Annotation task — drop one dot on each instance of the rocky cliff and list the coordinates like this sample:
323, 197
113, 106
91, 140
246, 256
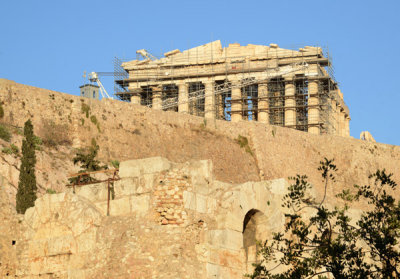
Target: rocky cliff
239, 152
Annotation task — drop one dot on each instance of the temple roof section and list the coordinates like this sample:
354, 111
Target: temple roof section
214, 53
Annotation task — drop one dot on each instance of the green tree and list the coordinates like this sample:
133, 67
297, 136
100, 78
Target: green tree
328, 244
26, 194
86, 158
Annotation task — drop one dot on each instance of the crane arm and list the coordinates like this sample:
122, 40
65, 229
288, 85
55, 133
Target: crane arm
94, 77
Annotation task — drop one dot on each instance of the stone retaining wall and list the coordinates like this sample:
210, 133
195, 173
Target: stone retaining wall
167, 220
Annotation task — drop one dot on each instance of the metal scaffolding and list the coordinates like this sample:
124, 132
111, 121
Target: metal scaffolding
163, 79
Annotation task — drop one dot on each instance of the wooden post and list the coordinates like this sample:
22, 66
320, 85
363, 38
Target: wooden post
108, 197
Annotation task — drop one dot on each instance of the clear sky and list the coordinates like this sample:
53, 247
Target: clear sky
49, 44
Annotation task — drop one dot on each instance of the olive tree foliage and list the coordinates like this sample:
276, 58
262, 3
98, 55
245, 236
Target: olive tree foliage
328, 244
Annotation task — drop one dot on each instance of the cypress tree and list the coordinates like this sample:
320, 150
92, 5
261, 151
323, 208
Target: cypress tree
26, 194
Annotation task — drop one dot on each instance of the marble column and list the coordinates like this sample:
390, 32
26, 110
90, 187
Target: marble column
290, 104
157, 93
183, 98
313, 108
237, 103
263, 114
209, 102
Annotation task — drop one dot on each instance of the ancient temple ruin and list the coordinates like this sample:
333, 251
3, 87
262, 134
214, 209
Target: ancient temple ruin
289, 88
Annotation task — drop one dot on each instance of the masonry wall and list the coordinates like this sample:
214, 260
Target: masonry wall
191, 230
166, 220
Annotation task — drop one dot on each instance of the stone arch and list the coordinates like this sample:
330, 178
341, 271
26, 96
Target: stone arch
255, 228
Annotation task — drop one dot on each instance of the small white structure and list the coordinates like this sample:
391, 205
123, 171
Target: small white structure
90, 91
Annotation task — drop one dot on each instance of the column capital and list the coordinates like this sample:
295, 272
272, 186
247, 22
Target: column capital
136, 91
181, 83
207, 81
157, 87
289, 80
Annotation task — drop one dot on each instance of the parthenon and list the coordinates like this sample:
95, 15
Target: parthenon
269, 84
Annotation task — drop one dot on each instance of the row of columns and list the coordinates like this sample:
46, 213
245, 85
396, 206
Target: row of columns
236, 99
341, 120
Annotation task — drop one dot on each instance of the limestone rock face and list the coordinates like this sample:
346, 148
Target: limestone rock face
61, 233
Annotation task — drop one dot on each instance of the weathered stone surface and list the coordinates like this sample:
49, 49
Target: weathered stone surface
165, 227
69, 234
135, 168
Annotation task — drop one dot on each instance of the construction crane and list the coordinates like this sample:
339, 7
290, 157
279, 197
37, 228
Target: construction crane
227, 86
94, 77
145, 54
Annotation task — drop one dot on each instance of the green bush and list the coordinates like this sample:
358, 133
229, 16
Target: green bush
244, 143
7, 150
5, 133
38, 142
1, 111
51, 191
115, 163
94, 120
13, 149
85, 109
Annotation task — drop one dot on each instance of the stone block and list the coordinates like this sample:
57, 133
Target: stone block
278, 186
213, 270
31, 218
146, 183
90, 218
78, 260
211, 205
140, 204
86, 242
120, 206
37, 265
51, 229
189, 200
218, 271
201, 175
227, 257
61, 245
228, 239
126, 187
57, 198
229, 220
42, 206
201, 203
202, 251
93, 192
135, 168
101, 207
37, 248
56, 263
76, 273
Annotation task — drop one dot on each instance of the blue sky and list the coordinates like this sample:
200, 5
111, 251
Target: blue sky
49, 44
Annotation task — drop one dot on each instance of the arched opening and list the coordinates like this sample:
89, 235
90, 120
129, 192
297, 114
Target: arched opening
254, 229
